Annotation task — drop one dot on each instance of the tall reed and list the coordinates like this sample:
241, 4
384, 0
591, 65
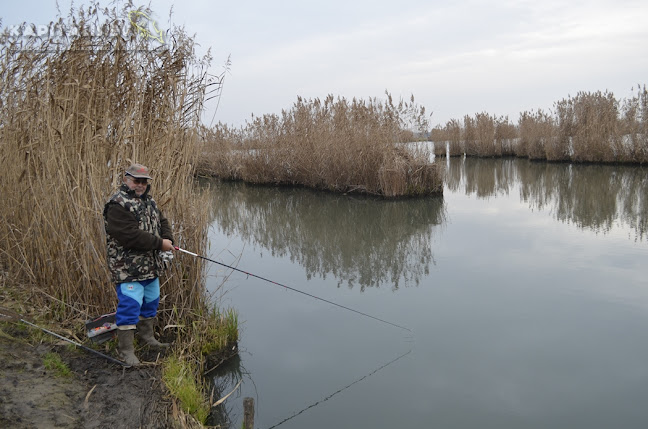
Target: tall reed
536, 130
73, 118
589, 123
469, 136
485, 144
332, 144
506, 136
590, 127
635, 127
453, 135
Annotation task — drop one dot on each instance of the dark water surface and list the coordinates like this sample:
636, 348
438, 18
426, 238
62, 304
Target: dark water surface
525, 288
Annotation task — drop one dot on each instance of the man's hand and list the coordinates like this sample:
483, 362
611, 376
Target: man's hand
167, 245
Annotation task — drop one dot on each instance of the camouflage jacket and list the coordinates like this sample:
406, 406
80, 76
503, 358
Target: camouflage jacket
135, 228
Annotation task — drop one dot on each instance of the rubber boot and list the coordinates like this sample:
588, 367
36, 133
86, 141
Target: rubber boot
126, 346
145, 331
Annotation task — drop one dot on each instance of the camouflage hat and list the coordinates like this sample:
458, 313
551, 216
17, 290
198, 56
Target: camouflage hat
138, 171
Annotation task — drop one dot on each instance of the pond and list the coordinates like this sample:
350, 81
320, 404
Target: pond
523, 291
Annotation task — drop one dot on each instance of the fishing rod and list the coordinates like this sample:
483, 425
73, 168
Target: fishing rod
5, 313
292, 289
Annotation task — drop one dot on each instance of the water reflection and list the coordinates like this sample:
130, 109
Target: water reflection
595, 197
483, 177
358, 241
342, 389
224, 379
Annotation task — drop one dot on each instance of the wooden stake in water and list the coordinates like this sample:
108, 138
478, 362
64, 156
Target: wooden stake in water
248, 413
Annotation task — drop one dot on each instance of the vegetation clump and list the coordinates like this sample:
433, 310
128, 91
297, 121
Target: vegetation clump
592, 127
178, 376
53, 362
75, 111
332, 144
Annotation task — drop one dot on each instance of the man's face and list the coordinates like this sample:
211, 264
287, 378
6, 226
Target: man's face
137, 185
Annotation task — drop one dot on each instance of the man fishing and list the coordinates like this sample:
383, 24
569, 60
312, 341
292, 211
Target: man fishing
136, 234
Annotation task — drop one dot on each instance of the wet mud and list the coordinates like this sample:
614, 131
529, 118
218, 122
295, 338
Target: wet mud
98, 393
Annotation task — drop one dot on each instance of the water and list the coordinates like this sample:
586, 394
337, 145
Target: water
524, 288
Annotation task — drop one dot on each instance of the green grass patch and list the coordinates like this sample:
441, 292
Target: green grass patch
220, 330
53, 362
179, 375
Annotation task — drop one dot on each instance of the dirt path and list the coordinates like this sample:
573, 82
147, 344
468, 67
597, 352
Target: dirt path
98, 394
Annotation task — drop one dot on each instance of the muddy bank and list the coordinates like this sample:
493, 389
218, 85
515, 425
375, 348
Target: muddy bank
98, 394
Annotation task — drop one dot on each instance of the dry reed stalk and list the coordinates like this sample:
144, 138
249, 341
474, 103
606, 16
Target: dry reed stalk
469, 136
559, 148
635, 128
536, 131
439, 137
591, 127
506, 136
479, 136
73, 118
595, 135
485, 144
453, 135
332, 144
441, 148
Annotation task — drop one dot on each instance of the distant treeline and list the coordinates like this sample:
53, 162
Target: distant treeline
590, 127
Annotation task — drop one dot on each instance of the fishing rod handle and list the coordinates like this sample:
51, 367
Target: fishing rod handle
186, 251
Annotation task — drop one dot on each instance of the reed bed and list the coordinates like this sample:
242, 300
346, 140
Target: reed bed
73, 117
452, 133
505, 136
536, 130
634, 126
590, 127
483, 135
332, 144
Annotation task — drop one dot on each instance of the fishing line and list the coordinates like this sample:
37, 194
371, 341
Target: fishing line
293, 289
340, 390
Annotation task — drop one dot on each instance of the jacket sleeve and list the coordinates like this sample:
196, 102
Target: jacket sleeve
123, 227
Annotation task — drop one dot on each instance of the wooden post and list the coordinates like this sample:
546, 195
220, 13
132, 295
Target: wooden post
248, 413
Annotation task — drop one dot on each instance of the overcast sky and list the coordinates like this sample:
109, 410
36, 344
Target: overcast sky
456, 57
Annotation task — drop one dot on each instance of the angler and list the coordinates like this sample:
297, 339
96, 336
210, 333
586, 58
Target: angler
137, 233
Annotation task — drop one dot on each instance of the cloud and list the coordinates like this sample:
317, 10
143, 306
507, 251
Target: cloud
456, 57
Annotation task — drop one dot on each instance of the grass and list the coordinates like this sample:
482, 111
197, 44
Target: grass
211, 337
178, 375
220, 331
52, 361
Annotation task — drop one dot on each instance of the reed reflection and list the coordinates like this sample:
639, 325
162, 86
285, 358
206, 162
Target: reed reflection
224, 380
593, 196
359, 241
